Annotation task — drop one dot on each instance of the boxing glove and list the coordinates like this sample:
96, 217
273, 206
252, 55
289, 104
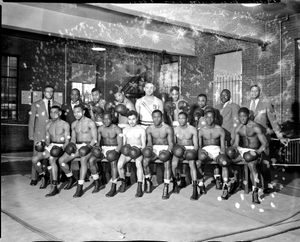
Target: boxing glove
183, 106
98, 110
109, 107
168, 108
121, 109
84, 150
178, 151
250, 156
232, 152
191, 154
223, 160
97, 152
164, 97
165, 155
125, 149
203, 155
40, 146
198, 113
134, 152
71, 148
209, 109
147, 152
56, 151
112, 155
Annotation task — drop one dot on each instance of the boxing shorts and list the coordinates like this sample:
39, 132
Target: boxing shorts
212, 150
49, 147
159, 148
242, 151
107, 148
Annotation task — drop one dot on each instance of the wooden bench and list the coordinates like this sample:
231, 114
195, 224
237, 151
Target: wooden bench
243, 181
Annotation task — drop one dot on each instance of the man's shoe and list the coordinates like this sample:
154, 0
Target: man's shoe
71, 182
113, 190
218, 184
98, 186
225, 194
195, 191
79, 191
148, 185
44, 181
255, 198
165, 192
128, 181
182, 183
175, 187
33, 182
122, 188
139, 192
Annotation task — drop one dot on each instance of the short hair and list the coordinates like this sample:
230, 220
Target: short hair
176, 88
49, 86
255, 86
132, 112
57, 107
117, 89
157, 111
244, 110
96, 89
148, 82
209, 109
80, 105
183, 113
202, 95
226, 90
108, 113
75, 89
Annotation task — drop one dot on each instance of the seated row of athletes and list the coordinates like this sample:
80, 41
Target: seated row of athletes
137, 138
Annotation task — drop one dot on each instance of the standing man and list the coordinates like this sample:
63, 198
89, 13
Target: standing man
134, 136
83, 139
110, 136
161, 137
39, 117
229, 115
144, 107
186, 136
202, 103
96, 107
262, 112
255, 143
68, 108
57, 138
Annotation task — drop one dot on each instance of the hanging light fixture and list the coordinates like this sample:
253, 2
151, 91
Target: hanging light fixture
251, 5
96, 48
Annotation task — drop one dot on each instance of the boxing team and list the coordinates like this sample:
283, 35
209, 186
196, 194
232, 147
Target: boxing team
165, 129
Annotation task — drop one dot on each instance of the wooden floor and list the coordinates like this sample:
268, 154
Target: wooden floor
124, 217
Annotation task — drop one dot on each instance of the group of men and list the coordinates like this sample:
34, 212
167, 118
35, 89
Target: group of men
152, 129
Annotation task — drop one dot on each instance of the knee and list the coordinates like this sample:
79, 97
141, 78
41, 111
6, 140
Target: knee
35, 160
145, 162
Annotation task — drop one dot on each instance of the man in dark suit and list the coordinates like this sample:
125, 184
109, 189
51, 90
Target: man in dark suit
39, 118
68, 107
228, 115
262, 112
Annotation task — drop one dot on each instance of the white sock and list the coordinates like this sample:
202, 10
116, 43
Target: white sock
95, 176
80, 182
167, 181
69, 174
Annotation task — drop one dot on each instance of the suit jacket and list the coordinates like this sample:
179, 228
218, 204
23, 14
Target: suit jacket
264, 114
229, 118
38, 120
68, 115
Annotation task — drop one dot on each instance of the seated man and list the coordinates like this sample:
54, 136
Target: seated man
83, 138
57, 138
254, 142
110, 136
211, 145
185, 135
134, 139
161, 137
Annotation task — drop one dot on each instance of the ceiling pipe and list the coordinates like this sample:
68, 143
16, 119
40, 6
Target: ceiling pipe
285, 18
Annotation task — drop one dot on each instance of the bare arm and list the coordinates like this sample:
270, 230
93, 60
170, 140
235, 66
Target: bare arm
73, 136
99, 136
137, 106
222, 140
262, 138
236, 137
48, 141
66, 134
170, 132
119, 138
143, 138
149, 137
195, 138
93, 128
199, 141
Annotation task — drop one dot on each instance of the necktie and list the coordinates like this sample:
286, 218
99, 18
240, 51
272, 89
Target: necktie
252, 106
49, 106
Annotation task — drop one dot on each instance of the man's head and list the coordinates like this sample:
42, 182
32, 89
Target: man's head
118, 94
254, 91
79, 111
174, 93
209, 115
107, 119
132, 117
75, 95
182, 118
244, 115
96, 94
202, 99
225, 95
157, 117
55, 112
149, 88
48, 92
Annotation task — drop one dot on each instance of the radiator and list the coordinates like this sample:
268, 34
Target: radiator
281, 154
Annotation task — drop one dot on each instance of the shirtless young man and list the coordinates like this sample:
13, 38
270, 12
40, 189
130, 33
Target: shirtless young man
57, 138
121, 112
134, 136
185, 135
211, 144
83, 138
110, 137
144, 107
161, 137
96, 107
254, 142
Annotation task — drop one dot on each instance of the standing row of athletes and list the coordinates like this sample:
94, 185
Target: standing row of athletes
100, 129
